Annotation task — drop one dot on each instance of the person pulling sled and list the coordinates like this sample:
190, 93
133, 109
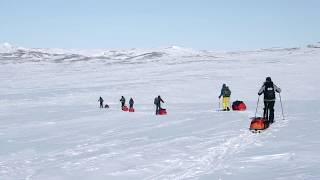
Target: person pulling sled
101, 102
123, 103
225, 93
131, 102
157, 102
269, 90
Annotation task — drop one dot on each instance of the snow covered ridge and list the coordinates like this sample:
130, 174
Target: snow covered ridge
10, 53
15, 54
317, 45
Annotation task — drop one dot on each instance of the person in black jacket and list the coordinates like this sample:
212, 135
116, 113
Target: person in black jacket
157, 102
268, 90
101, 102
131, 102
123, 101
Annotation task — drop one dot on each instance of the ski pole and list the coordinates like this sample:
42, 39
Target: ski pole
255, 115
219, 104
281, 107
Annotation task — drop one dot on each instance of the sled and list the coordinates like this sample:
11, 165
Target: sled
239, 106
125, 108
131, 109
162, 112
258, 125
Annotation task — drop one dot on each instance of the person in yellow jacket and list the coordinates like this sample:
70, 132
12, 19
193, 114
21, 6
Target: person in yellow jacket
225, 93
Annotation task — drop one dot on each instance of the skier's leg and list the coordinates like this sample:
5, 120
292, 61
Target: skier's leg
224, 104
271, 109
265, 110
228, 103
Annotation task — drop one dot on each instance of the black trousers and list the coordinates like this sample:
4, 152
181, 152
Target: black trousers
268, 110
131, 105
101, 104
158, 107
122, 104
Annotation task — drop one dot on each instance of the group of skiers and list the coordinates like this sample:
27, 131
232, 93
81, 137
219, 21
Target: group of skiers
123, 102
268, 89
157, 102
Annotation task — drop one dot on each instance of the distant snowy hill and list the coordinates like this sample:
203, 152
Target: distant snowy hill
317, 45
51, 127
12, 53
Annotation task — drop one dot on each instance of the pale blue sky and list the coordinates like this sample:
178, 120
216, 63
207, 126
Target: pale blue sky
199, 24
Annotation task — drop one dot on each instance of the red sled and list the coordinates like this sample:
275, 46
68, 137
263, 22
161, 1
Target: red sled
258, 124
125, 108
131, 109
239, 106
162, 112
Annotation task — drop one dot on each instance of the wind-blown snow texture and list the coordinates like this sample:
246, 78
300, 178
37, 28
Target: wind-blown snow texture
51, 127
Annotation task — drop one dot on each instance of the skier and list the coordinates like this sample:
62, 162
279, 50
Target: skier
268, 89
157, 102
123, 102
225, 93
131, 102
101, 102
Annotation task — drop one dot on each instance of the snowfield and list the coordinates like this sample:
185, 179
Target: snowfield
51, 127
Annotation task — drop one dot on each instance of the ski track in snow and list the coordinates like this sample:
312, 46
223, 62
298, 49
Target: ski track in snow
214, 158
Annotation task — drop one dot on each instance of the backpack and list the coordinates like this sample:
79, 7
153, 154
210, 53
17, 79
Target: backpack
227, 92
131, 101
269, 92
155, 101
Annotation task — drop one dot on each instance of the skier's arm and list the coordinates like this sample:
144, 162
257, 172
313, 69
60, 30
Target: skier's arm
161, 100
221, 93
278, 90
261, 90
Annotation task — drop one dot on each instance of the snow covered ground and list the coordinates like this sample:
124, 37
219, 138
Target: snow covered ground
51, 127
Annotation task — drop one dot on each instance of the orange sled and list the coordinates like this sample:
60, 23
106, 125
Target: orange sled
162, 112
258, 124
